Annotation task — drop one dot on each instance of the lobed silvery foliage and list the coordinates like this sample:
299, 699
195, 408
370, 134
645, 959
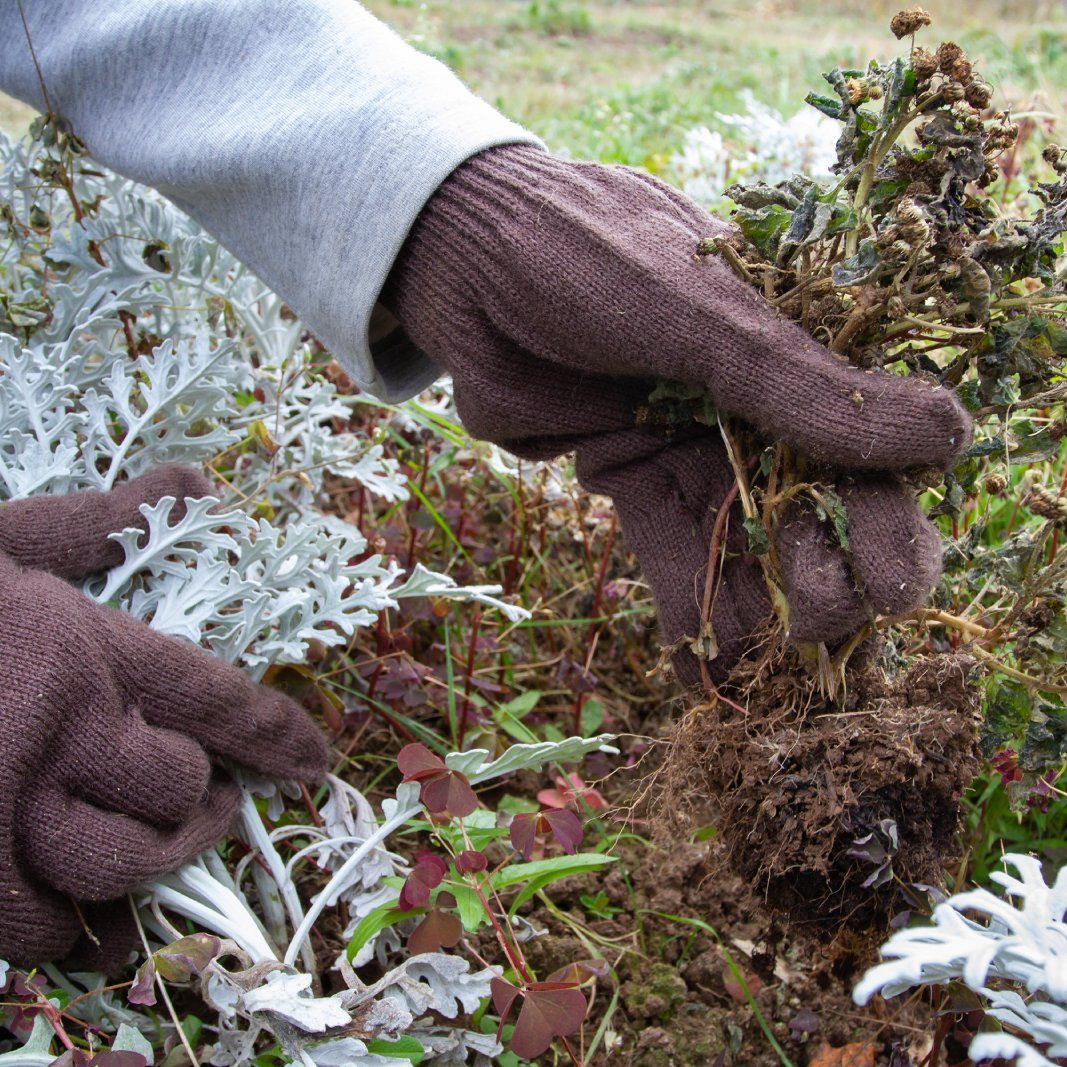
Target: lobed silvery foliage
271, 988
220, 373
1015, 958
758, 144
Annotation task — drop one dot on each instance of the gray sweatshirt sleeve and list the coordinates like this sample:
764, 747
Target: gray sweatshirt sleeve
305, 135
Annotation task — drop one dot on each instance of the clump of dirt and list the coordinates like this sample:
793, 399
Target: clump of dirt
819, 803
679, 1000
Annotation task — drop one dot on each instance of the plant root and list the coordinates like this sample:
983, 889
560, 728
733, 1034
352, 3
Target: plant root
797, 782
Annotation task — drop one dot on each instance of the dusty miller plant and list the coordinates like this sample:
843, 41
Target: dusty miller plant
1014, 957
129, 338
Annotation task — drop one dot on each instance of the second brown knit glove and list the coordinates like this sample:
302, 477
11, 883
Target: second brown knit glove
109, 730
556, 293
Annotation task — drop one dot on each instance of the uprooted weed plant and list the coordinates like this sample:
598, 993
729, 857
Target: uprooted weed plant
841, 768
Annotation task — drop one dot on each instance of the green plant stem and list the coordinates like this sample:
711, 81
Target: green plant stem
162, 986
880, 146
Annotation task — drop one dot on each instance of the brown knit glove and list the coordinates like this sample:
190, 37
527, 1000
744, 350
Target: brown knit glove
109, 730
556, 292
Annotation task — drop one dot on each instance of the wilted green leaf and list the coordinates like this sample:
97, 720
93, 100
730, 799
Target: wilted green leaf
758, 542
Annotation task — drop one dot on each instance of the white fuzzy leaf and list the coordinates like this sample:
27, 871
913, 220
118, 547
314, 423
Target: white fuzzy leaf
347, 1052
433, 981
288, 996
37, 1051
424, 582
477, 766
129, 1039
1025, 946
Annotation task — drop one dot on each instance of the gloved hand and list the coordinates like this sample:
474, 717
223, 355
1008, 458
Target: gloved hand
109, 729
556, 293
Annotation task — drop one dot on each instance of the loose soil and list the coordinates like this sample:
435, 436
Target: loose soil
805, 789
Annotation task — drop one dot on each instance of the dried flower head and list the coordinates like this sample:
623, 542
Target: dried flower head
995, 484
1002, 136
1055, 157
924, 63
979, 93
904, 23
1048, 504
948, 52
961, 69
953, 91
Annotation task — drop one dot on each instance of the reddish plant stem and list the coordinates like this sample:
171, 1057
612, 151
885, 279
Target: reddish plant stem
127, 331
56, 1022
594, 630
379, 647
570, 1052
422, 489
472, 649
513, 952
316, 818
714, 547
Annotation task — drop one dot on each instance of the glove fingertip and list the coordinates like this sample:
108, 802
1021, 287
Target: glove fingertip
951, 428
287, 742
171, 479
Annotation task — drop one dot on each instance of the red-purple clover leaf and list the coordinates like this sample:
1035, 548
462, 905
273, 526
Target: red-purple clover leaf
563, 825
470, 861
417, 761
523, 833
549, 1010
441, 790
440, 929
449, 792
75, 1057
425, 876
566, 828
143, 990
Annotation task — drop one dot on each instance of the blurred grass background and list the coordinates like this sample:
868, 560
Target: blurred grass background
622, 80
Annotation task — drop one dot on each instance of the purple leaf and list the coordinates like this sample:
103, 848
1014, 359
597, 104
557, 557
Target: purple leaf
563, 825
438, 930
523, 833
566, 828
549, 1010
426, 875
449, 792
75, 1057
417, 761
470, 861
504, 994
804, 1022
442, 790
143, 990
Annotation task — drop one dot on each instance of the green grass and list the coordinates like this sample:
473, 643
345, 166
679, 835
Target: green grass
623, 81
